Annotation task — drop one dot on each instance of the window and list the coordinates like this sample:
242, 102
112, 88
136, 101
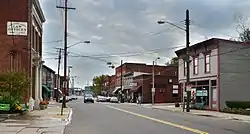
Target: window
185, 68
195, 65
207, 63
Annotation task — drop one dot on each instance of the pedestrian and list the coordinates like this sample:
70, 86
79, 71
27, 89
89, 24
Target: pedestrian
139, 99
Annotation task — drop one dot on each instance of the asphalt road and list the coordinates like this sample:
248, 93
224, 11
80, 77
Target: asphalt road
106, 118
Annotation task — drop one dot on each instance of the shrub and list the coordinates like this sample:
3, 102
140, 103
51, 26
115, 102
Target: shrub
238, 104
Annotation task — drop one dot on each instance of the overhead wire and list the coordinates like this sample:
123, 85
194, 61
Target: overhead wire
222, 53
200, 26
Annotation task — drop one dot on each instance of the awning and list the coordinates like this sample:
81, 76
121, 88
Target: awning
46, 88
116, 89
135, 88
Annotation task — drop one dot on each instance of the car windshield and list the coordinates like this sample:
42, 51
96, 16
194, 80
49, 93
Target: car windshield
88, 95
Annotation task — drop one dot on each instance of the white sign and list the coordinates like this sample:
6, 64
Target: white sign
175, 87
17, 28
153, 90
175, 91
133, 84
188, 88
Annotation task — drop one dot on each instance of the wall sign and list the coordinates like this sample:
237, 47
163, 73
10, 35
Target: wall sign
17, 28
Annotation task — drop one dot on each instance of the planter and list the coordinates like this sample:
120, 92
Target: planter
42, 107
4, 107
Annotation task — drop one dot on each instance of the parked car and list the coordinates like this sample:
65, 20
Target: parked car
74, 97
108, 99
101, 99
114, 100
88, 98
69, 98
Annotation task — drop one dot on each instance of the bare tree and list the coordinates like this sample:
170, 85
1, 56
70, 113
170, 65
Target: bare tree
243, 28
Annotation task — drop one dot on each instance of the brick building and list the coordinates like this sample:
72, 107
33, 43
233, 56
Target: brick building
21, 28
132, 72
109, 84
166, 86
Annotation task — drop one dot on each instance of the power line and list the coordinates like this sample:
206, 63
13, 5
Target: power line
200, 26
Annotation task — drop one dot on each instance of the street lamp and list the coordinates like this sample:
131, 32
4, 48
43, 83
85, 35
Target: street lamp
187, 85
110, 65
80, 42
153, 83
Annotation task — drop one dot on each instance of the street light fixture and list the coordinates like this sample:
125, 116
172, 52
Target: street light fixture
153, 83
187, 85
170, 23
80, 42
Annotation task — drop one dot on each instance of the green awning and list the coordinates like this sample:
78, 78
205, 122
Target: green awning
46, 88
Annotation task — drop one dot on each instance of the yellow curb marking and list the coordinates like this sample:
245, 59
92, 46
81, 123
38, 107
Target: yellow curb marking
161, 121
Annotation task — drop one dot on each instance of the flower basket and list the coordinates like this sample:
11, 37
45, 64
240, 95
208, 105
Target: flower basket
43, 105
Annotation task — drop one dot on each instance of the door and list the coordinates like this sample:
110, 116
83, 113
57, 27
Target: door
214, 98
159, 95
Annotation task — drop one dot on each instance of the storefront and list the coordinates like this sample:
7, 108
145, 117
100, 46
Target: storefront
203, 92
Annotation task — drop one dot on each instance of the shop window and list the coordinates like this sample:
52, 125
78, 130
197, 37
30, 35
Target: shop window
213, 82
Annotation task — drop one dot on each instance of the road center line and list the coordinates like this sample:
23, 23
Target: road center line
160, 121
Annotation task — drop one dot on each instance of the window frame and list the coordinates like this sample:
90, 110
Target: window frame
207, 63
196, 66
185, 68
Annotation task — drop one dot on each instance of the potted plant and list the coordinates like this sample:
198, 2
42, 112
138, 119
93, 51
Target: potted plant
43, 105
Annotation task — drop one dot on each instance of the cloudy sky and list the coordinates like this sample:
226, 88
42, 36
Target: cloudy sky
127, 30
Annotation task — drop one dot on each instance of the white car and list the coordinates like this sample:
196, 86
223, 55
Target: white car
101, 99
61, 99
114, 100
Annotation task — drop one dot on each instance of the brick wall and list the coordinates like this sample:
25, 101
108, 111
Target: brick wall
13, 10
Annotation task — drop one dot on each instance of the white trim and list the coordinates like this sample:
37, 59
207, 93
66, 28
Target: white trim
34, 12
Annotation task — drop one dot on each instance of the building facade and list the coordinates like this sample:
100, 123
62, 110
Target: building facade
219, 72
166, 87
48, 76
21, 29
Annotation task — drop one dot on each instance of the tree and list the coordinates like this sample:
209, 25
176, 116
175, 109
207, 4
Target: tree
98, 83
243, 29
13, 86
173, 62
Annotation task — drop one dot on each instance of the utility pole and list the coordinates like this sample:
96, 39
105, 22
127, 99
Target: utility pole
121, 82
58, 74
153, 84
187, 86
66, 8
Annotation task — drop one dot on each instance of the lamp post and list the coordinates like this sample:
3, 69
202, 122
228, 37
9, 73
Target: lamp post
187, 86
153, 79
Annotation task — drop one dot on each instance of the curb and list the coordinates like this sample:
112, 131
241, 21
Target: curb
69, 118
9, 115
4, 117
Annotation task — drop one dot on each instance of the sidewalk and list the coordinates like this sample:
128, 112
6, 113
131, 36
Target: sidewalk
215, 114
38, 121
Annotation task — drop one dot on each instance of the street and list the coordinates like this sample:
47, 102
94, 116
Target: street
108, 118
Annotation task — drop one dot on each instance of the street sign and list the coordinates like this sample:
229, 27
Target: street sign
153, 90
188, 88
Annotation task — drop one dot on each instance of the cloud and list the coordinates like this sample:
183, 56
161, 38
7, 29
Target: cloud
129, 26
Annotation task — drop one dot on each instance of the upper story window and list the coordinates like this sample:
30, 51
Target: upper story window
185, 68
195, 65
207, 63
